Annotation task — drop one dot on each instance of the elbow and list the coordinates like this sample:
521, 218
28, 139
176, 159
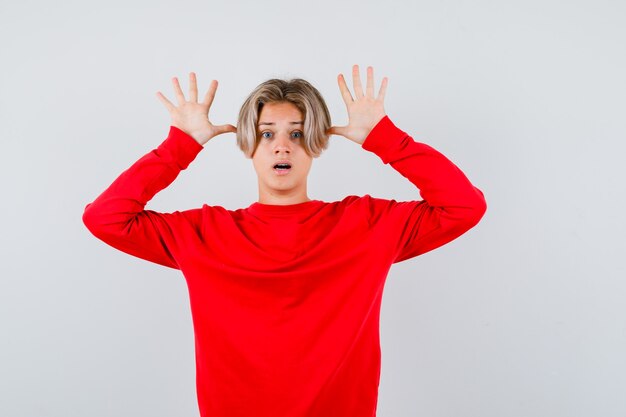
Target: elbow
478, 208
107, 224
91, 219
464, 216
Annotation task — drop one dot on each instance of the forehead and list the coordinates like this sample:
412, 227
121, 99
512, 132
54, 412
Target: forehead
283, 112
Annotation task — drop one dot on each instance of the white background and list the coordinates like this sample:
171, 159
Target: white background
521, 316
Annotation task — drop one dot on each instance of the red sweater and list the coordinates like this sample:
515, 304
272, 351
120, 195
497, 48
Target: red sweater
285, 300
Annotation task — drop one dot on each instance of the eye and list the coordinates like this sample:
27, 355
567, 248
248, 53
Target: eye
295, 135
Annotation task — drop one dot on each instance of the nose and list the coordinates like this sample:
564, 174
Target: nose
282, 143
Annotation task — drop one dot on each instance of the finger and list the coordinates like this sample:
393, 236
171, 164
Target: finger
168, 104
179, 93
369, 89
193, 88
356, 81
210, 94
383, 89
345, 92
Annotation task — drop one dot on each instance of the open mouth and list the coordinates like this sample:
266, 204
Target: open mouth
282, 168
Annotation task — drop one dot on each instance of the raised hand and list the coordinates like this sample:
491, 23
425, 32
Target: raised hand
192, 117
365, 111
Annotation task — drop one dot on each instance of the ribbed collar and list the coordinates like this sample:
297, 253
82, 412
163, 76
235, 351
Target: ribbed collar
297, 210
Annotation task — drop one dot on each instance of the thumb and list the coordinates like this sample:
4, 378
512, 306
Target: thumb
225, 129
336, 130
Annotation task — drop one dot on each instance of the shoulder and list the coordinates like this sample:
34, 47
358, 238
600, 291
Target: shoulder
365, 201
370, 206
212, 211
380, 209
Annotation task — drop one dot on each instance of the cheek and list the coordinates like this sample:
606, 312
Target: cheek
305, 165
256, 164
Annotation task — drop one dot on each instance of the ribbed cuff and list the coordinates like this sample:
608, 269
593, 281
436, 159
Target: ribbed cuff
182, 147
384, 139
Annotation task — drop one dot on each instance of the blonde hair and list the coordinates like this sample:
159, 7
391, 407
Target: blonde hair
296, 91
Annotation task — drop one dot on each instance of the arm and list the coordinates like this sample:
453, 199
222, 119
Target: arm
118, 217
451, 205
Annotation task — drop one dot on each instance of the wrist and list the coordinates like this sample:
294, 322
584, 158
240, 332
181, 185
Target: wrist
198, 136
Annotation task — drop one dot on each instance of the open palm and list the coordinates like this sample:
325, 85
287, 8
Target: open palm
192, 117
365, 111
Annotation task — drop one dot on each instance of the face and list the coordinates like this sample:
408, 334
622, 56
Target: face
281, 138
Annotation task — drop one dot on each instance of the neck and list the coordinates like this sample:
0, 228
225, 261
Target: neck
282, 200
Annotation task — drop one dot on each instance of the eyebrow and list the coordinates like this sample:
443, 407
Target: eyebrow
293, 123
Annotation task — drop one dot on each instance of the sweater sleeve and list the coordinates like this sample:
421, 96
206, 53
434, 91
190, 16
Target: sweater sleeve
118, 218
450, 204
